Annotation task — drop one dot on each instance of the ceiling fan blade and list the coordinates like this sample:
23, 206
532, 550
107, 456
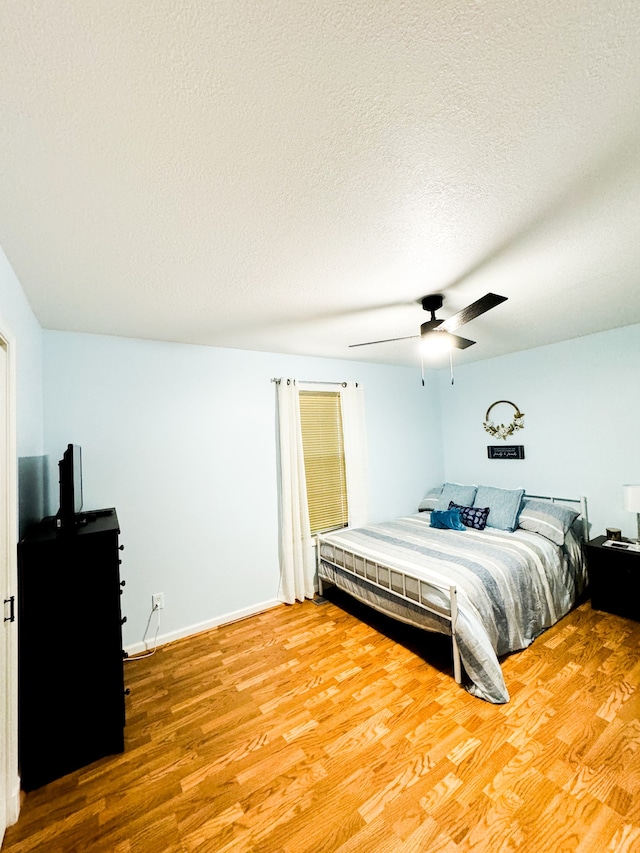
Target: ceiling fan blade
430, 325
454, 340
461, 343
386, 341
486, 303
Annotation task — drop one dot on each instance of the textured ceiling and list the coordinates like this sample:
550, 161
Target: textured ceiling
293, 176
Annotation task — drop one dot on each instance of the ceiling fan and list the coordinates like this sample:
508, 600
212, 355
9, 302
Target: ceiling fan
444, 328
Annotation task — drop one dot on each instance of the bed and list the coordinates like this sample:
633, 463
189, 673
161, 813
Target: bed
492, 589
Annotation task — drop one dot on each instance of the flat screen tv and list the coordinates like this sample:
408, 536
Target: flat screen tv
70, 467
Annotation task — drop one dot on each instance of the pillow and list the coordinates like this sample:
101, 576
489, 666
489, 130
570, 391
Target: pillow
551, 520
447, 519
503, 504
430, 500
472, 516
461, 495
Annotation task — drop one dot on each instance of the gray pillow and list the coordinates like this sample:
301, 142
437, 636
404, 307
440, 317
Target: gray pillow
549, 519
457, 493
430, 500
504, 506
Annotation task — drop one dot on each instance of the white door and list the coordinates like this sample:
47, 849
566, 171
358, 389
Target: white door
4, 589
9, 784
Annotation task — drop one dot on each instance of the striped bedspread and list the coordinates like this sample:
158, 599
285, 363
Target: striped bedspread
511, 586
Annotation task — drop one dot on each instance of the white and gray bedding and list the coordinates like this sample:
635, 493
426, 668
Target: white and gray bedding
510, 586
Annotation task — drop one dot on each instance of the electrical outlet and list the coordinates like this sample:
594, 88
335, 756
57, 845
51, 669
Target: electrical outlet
157, 601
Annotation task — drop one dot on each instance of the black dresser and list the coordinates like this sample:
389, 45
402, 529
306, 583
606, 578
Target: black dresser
70, 658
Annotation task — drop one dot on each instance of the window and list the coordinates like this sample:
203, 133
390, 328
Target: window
324, 465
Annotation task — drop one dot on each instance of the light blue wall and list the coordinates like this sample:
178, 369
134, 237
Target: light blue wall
19, 325
582, 409
17, 317
182, 441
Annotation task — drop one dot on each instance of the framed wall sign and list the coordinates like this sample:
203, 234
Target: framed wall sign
507, 451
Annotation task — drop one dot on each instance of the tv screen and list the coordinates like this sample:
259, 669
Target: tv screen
70, 467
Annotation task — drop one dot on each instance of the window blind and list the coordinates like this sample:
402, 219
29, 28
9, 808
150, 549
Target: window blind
324, 465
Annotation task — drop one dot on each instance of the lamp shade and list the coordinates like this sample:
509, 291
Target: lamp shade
632, 497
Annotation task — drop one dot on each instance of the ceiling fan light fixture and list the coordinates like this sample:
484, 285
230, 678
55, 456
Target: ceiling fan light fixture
436, 342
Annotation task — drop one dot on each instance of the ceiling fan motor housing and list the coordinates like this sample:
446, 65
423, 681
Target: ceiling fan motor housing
433, 303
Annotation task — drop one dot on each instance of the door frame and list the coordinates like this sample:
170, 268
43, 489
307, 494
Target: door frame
10, 809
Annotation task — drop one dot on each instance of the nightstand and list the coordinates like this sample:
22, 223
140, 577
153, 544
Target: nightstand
614, 578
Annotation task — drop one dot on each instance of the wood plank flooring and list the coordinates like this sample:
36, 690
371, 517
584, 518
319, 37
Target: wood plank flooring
307, 730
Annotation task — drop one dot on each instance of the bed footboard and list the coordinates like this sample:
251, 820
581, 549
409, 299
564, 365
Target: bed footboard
435, 598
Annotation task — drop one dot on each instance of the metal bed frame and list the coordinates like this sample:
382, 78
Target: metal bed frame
406, 587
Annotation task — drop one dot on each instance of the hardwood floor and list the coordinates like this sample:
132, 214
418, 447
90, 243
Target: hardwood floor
306, 730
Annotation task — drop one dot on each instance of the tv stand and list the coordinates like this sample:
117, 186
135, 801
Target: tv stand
70, 658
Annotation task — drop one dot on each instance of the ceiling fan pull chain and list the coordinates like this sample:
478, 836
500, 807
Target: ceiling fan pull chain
451, 364
422, 366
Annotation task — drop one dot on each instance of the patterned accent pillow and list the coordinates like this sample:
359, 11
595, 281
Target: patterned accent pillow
446, 519
472, 516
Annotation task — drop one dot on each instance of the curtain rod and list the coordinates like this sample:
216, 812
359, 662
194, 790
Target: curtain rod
315, 382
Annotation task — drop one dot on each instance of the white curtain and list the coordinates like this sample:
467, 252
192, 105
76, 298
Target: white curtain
297, 547
297, 551
355, 453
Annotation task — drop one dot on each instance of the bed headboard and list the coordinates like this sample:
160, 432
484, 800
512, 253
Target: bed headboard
578, 502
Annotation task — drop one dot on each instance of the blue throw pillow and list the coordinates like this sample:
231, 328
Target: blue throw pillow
456, 492
447, 519
504, 506
472, 516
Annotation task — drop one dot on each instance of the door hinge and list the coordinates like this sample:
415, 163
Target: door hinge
12, 609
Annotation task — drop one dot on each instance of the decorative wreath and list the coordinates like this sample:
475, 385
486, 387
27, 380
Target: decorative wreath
502, 431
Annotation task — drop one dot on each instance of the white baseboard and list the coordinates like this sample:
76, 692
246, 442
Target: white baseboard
198, 628
13, 804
